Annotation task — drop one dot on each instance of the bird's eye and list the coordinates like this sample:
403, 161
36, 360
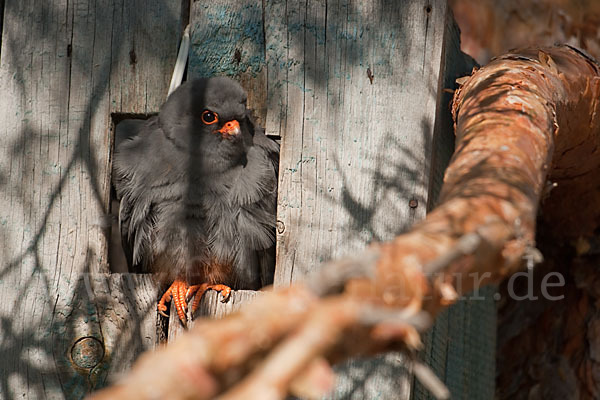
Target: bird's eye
209, 117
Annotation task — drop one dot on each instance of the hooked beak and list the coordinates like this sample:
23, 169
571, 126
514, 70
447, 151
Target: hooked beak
231, 128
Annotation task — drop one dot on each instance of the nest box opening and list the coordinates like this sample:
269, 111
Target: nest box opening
123, 126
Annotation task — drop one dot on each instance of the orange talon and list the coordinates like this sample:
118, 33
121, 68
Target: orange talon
161, 304
200, 289
177, 292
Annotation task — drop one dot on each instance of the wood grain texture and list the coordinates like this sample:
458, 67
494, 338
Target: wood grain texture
354, 152
460, 348
228, 39
210, 306
118, 311
65, 68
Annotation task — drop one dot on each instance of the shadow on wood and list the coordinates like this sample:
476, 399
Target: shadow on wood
65, 68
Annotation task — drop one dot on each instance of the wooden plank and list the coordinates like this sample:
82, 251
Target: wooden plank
228, 39
148, 34
354, 152
60, 65
355, 92
106, 323
210, 306
460, 352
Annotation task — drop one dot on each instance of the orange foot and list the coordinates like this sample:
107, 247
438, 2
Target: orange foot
180, 292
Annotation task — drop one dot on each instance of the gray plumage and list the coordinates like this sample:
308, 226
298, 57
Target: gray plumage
195, 205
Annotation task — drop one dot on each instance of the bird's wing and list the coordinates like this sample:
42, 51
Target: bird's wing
136, 220
128, 129
270, 146
266, 263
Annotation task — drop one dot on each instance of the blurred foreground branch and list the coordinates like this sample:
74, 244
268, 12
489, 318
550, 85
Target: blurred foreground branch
514, 120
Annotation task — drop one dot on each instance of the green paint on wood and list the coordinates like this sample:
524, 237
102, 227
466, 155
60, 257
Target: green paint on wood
227, 40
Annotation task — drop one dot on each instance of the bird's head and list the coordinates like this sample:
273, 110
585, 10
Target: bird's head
208, 117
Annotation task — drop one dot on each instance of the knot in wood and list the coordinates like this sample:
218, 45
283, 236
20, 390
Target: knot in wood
280, 226
87, 352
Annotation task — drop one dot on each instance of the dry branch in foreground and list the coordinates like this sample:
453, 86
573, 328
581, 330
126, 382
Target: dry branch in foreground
510, 117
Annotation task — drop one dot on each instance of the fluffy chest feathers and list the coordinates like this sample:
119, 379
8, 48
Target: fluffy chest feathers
232, 213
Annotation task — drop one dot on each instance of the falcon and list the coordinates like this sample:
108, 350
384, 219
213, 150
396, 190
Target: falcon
197, 186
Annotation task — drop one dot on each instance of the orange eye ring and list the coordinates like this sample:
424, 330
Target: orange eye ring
209, 117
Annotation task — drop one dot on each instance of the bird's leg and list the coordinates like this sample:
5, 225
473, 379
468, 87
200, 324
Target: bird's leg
178, 291
200, 289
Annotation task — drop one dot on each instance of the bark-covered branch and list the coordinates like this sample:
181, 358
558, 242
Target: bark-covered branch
514, 119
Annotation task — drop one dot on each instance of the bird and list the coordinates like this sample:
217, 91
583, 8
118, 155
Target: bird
197, 186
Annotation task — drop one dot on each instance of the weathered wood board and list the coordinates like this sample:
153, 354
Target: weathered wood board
113, 320
210, 306
66, 66
354, 92
460, 347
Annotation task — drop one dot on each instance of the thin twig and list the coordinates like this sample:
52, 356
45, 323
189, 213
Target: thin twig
430, 381
420, 321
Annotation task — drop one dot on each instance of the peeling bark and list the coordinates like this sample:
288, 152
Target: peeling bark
524, 117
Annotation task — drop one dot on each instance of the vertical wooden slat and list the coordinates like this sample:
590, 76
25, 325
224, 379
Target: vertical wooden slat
62, 73
460, 352
354, 153
386, 376
148, 35
454, 64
